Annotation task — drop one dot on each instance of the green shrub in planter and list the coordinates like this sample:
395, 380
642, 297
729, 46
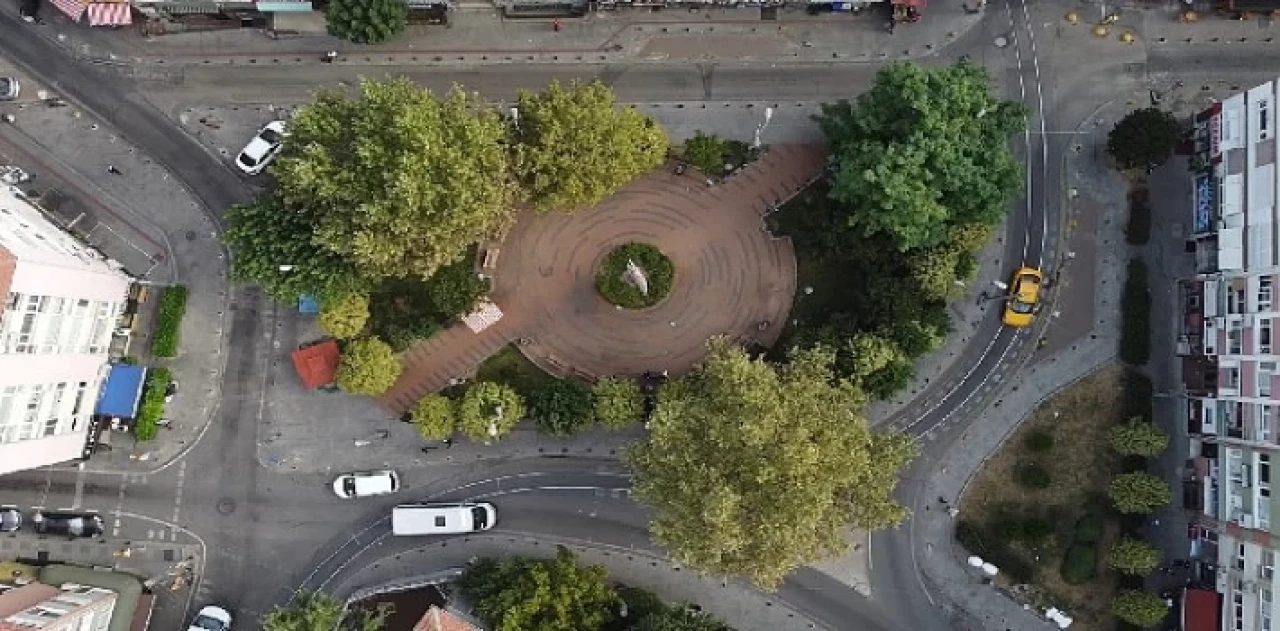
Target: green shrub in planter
1080, 565
164, 337
658, 270
151, 408
1033, 476
561, 407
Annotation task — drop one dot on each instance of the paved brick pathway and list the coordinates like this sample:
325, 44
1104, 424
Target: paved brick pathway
731, 275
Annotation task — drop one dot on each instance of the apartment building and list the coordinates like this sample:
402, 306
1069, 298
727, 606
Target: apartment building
1230, 362
59, 312
40, 607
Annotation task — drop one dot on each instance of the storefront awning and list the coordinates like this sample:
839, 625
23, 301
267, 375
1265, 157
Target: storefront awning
122, 391
286, 6
72, 8
110, 14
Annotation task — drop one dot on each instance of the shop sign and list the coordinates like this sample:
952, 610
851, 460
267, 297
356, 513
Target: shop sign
1215, 136
1203, 203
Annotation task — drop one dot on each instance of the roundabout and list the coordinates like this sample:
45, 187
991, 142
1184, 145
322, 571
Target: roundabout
729, 276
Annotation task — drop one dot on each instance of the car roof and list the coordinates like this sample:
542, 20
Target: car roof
215, 612
372, 481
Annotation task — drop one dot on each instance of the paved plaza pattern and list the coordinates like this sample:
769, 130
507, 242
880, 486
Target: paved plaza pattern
732, 278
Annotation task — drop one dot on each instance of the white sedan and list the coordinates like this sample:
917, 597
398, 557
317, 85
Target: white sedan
262, 149
211, 618
366, 484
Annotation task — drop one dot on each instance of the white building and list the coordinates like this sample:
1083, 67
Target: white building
40, 607
62, 300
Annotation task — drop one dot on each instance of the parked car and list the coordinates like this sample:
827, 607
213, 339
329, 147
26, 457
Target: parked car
10, 518
170, 391
211, 618
68, 523
366, 484
262, 149
1024, 297
9, 88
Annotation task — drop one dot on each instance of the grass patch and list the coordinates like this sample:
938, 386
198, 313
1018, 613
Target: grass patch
509, 366
151, 410
173, 305
659, 272
709, 154
1138, 230
1080, 465
1135, 308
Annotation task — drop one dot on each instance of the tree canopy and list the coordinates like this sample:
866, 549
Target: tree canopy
1138, 437
397, 181
310, 611
1139, 608
560, 407
1133, 556
368, 366
366, 21
435, 416
489, 406
1143, 138
725, 438
345, 316
922, 151
273, 246
1139, 493
574, 145
545, 594
617, 402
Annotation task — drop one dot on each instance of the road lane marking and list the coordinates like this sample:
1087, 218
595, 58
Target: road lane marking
79, 496
177, 500
115, 527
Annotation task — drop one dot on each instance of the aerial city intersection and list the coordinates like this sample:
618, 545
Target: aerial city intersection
388, 314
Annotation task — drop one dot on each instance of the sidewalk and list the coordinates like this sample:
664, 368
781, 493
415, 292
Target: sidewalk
145, 218
737, 605
483, 36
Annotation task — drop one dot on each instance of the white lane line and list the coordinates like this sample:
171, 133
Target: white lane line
115, 526
950, 393
79, 496
177, 499
1044, 144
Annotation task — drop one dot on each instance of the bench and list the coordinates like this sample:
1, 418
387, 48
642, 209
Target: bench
491, 258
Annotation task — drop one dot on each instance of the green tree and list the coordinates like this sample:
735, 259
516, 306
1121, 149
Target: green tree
435, 417
936, 270
617, 402
398, 181
725, 438
1139, 608
922, 151
1138, 493
560, 407
679, 619
368, 366
454, 289
575, 146
366, 21
706, 153
1138, 437
311, 611
1143, 138
344, 316
879, 365
1133, 556
273, 245
545, 594
489, 411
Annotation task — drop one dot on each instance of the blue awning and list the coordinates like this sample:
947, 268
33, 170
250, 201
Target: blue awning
122, 391
284, 7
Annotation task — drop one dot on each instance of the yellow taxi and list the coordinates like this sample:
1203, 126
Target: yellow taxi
1024, 297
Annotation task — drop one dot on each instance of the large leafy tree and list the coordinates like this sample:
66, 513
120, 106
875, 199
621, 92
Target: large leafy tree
435, 416
366, 21
344, 316
1143, 138
560, 407
574, 145
273, 245
755, 470
1133, 556
1139, 493
617, 402
368, 366
489, 411
546, 594
310, 611
1142, 609
922, 151
397, 181
1138, 437
679, 619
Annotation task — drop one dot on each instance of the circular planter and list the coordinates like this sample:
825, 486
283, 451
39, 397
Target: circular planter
615, 288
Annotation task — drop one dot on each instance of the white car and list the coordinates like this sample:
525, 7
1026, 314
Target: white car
366, 484
262, 149
211, 618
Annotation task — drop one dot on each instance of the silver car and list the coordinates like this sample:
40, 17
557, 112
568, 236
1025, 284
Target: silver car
9, 89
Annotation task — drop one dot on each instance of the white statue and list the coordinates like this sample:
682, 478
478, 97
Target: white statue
636, 277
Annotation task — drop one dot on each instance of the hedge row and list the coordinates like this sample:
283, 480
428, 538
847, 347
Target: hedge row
173, 305
1135, 307
152, 408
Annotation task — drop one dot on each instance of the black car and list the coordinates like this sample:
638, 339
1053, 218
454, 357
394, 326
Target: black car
68, 524
10, 519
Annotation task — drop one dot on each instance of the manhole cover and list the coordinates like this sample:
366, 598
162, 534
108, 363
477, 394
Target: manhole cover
191, 235
226, 506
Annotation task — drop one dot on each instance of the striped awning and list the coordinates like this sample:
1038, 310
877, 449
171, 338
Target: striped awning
72, 8
110, 14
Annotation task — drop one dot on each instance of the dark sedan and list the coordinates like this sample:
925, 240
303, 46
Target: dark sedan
68, 524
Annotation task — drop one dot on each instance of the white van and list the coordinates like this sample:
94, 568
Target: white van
442, 519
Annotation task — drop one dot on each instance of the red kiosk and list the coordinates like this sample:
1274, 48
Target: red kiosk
908, 10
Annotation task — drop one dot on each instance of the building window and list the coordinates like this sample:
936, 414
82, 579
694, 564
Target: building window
1264, 469
1265, 415
1264, 336
1240, 556
1235, 338
1262, 118
1267, 566
1233, 377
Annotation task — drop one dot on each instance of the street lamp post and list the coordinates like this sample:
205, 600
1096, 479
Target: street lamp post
768, 116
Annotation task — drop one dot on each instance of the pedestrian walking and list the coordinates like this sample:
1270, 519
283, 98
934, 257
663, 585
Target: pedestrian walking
448, 443
111, 168
330, 56
555, 26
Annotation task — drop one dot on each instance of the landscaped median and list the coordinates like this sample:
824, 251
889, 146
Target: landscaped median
173, 305
152, 408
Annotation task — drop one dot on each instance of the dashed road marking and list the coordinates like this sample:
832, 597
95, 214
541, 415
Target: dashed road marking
177, 500
115, 526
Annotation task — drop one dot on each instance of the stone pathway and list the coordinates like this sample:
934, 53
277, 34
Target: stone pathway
731, 277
